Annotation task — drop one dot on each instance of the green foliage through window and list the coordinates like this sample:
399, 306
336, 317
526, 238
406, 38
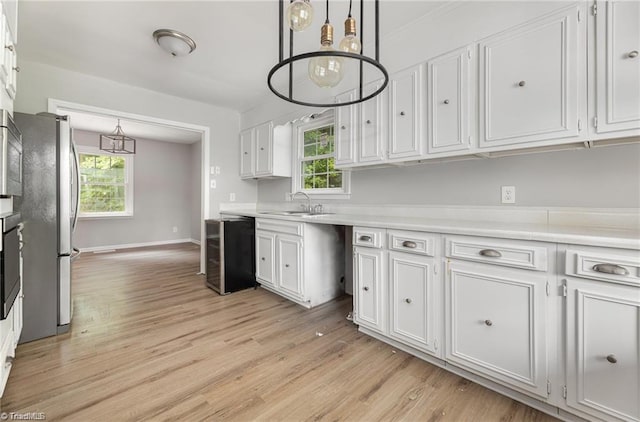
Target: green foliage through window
103, 183
318, 170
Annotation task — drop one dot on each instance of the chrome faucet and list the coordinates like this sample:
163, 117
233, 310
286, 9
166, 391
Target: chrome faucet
307, 207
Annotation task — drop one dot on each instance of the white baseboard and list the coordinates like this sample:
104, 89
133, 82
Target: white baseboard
197, 242
137, 245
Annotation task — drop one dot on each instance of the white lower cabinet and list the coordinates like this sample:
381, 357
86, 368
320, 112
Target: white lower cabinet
302, 262
370, 287
603, 333
496, 324
414, 301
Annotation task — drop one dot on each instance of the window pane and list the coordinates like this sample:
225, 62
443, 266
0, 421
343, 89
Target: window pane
320, 166
102, 198
307, 167
335, 180
320, 181
102, 183
310, 150
308, 182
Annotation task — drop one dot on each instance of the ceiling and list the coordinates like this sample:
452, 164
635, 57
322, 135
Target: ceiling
236, 42
136, 129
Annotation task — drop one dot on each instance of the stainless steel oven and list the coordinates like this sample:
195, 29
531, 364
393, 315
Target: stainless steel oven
10, 261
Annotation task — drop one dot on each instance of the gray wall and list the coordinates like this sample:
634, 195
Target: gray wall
605, 177
195, 166
163, 191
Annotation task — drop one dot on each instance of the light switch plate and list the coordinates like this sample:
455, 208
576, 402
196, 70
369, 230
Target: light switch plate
212, 183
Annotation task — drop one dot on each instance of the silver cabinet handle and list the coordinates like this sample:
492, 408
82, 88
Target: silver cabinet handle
343, 127
409, 244
365, 288
263, 258
402, 113
261, 148
491, 253
368, 122
446, 101
17, 69
488, 322
9, 47
612, 359
610, 269
408, 300
365, 238
521, 83
286, 265
246, 153
633, 54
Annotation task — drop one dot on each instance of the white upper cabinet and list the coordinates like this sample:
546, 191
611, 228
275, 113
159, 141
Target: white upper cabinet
361, 129
532, 81
373, 126
617, 66
406, 99
345, 131
265, 151
449, 101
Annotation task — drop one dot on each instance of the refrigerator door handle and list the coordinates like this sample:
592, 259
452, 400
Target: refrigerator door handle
76, 177
75, 253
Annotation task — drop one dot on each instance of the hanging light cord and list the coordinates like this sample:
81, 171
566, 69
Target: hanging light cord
350, 3
327, 20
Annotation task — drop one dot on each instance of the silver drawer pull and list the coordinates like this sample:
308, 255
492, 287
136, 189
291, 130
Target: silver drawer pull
633, 54
446, 101
612, 359
521, 83
286, 265
365, 288
365, 238
263, 258
491, 253
610, 269
488, 322
409, 244
408, 300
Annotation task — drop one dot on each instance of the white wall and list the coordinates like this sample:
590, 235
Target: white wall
600, 177
38, 82
163, 181
195, 169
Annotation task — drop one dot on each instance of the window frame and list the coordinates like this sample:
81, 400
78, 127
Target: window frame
299, 128
128, 185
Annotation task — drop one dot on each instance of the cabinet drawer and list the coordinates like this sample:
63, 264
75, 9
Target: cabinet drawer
510, 253
412, 242
368, 236
622, 266
279, 226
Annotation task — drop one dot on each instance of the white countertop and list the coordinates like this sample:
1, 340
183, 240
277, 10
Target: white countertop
582, 235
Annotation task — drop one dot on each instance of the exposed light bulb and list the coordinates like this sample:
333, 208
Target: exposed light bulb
326, 71
350, 43
299, 15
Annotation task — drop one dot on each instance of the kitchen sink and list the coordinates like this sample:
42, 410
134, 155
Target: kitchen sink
294, 213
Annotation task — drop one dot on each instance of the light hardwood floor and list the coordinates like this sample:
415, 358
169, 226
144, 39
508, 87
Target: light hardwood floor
150, 342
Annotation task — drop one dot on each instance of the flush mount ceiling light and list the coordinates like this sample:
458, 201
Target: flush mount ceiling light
326, 66
174, 42
117, 142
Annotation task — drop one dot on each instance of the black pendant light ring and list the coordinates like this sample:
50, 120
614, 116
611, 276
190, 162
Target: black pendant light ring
360, 57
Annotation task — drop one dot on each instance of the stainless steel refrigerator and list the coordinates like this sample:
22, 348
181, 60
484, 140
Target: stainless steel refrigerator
49, 212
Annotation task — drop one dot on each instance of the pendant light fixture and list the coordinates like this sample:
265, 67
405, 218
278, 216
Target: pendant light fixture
117, 142
325, 67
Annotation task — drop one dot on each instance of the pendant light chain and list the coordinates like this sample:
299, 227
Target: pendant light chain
327, 20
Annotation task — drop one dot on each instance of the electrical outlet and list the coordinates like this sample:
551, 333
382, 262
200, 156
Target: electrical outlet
217, 169
212, 184
508, 194
232, 197
175, 229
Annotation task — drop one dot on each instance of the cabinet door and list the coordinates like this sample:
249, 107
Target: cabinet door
265, 247
373, 126
247, 156
405, 113
5, 40
289, 257
618, 66
345, 131
496, 324
264, 149
532, 80
17, 319
603, 349
414, 299
449, 101
369, 288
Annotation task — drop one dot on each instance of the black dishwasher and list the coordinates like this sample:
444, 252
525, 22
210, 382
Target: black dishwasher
231, 263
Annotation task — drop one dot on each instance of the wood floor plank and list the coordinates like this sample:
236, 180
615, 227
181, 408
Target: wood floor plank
150, 343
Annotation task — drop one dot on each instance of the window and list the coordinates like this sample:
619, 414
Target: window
315, 171
106, 184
